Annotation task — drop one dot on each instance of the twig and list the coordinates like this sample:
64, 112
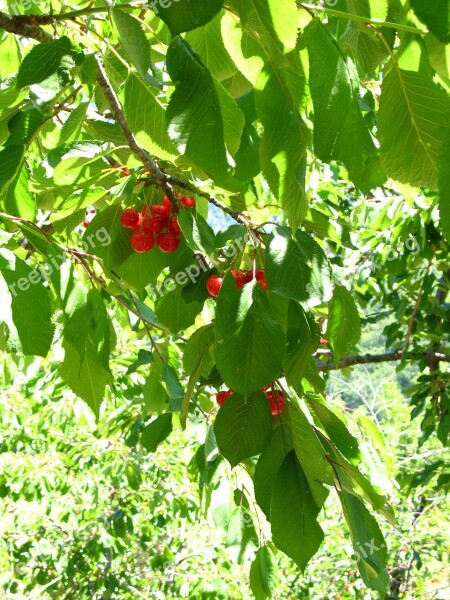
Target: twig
348, 361
159, 176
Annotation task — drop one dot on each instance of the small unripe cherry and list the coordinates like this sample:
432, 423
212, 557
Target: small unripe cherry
129, 218
213, 284
222, 396
168, 242
142, 242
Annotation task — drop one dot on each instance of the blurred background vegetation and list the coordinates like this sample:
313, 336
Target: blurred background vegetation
85, 512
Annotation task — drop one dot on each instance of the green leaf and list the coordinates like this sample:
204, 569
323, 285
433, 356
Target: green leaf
444, 186
368, 543
273, 24
340, 132
44, 60
174, 313
336, 430
19, 199
23, 126
11, 159
156, 432
283, 146
155, 396
140, 270
410, 145
295, 529
436, 16
250, 344
311, 454
243, 427
25, 306
297, 268
303, 336
107, 238
85, 375
194, 102
133, 39
187, 14
268, 466
263, 574
72, 126
198, 234
233, 119
197, 348
147, 117
344, 325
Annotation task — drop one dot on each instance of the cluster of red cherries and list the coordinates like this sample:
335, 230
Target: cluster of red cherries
214, 282
275, 398
155, 224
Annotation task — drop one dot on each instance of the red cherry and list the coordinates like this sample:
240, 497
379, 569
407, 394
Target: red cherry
159, 210
276, 401
168, 242
260, 277
222, 396
188, 201
174, 226
248, 276
86, 223
167, 203
214, 283
154, 224
240, 278
129, 218
125, 172
142, 242
324, 342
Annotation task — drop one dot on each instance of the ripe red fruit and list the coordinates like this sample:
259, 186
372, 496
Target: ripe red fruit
126, 172
167, 203
174, 226
324, 342
142, 242
276, 401
159, 210
129, 218
248, 276
168, 242
154, 224
188, 201
240, 278
260, 277
86, 223
222, 396
214, 283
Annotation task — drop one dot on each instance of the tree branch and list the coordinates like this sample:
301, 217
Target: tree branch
348, 361
23, 28
27, 26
